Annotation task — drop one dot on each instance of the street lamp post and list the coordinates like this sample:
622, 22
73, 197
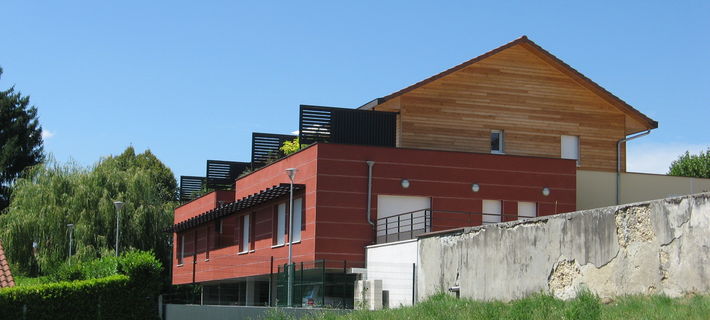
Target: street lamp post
118, 205
291, 172
71, 239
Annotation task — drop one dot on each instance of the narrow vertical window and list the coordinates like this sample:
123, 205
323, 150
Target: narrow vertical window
297, 218
569, 148
246, 234
182, 249
280, 224
497, 141
491, 211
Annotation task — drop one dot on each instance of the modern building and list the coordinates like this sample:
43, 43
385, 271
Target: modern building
500, 137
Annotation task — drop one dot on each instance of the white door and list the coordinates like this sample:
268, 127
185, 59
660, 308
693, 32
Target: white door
391, 207
491, 211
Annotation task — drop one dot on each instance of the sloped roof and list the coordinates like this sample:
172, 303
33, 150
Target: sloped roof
6, 279
545, 55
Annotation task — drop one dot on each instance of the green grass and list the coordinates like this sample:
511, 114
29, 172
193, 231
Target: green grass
539, 306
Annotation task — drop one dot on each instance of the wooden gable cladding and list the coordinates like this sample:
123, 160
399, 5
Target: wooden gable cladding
519, 92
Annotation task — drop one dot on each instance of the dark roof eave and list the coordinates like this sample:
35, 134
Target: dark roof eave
242, 204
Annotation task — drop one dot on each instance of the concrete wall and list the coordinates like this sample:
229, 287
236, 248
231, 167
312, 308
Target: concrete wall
596, 189
393, 264
660, 246
192, 312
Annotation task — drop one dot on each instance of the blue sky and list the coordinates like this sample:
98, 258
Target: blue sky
192, 80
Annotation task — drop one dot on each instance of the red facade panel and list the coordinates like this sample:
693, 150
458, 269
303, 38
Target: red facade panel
335, 199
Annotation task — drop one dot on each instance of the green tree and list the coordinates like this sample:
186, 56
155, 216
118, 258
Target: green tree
291, 147
52, 195
691, 165
20, 140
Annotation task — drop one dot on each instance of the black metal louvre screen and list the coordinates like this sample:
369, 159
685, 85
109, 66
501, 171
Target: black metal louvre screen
347, 126
222, 174
190, 186
265, 147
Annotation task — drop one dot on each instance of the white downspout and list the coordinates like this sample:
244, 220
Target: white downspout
618, 162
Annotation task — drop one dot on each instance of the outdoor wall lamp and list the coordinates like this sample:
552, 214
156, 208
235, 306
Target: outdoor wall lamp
545, 191
475, 187
405, 183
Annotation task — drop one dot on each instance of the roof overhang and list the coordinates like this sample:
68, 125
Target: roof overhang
233, 207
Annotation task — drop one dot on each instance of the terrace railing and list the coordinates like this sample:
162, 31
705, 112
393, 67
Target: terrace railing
222, 174
409, 225
347, 126
266, 147
190, 186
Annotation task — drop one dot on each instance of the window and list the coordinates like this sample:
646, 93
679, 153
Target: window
491, 211
497, 141
181, 255
527, 209
297, 217
280, 224
246, 234
569, 148
217, 237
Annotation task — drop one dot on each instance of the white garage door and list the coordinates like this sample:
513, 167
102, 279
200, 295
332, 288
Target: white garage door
391, 206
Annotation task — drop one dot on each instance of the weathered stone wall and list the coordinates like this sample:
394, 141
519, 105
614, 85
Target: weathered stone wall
661, 246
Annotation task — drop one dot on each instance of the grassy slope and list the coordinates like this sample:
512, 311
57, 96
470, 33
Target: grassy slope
585, 306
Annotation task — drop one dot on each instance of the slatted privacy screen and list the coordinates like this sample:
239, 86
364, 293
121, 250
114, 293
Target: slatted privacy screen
190, 186
222, 174
347, 126
266, 147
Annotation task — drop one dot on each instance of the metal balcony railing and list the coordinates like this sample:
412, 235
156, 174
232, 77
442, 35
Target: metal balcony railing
409, 225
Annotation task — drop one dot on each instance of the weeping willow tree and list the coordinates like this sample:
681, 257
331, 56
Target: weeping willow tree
52, 195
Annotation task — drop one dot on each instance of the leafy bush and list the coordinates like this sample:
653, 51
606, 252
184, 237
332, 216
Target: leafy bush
109, 288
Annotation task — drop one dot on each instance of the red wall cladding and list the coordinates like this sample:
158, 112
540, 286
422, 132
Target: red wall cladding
446, 177
226, 261
335, 200
202, 204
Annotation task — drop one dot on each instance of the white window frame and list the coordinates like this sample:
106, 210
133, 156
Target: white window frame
246, 233
501, 141
576, 139
495, 217
281, 224
526, 203
182, 249
297, 219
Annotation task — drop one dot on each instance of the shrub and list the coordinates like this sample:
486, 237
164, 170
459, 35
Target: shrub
108, 288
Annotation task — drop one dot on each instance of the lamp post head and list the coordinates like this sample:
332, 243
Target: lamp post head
118, 205
291, 172
70, 226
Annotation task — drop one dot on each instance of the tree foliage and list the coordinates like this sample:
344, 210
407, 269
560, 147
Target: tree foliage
53, 195
691, 165
291, 147
20, 139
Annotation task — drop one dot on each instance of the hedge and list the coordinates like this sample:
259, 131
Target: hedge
131, 294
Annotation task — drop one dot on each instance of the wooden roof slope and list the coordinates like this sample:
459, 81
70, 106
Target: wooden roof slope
6, 279
644, 121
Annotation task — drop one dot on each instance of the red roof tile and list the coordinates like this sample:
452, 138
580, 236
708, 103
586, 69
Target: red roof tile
6, 279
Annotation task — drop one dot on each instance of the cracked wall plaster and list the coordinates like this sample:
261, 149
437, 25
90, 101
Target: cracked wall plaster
660, 246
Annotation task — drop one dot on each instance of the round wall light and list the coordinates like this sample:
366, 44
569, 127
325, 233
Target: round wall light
475, 187
546, 191
405, 183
